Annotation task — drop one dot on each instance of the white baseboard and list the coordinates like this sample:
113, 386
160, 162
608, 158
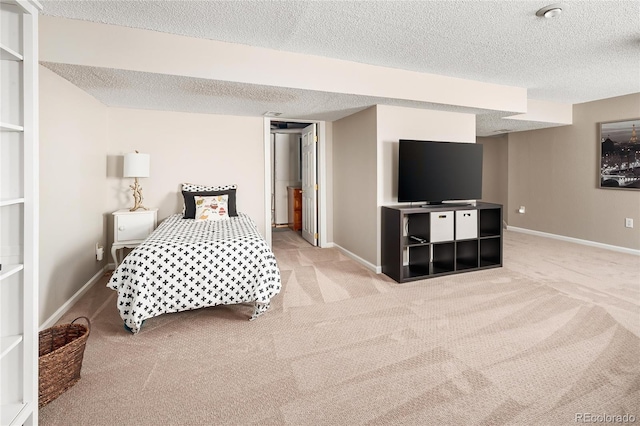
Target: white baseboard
69, 303
370, 266
575, 240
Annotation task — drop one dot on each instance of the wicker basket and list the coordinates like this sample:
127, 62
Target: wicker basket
61, 349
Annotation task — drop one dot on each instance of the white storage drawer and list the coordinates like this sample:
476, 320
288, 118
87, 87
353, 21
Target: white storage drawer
466, 224
441, 225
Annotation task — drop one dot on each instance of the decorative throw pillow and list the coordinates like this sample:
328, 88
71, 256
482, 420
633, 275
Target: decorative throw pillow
189, 191
211, 208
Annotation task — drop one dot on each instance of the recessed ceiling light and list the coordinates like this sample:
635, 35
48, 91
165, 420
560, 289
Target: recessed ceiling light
272, 114
550, 11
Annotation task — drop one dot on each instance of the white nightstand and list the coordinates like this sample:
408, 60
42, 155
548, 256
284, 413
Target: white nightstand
130, 228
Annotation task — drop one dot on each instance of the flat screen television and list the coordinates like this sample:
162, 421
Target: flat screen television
434, 172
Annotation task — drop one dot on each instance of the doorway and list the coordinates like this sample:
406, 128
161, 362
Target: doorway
292, 161
286, 182
294, 178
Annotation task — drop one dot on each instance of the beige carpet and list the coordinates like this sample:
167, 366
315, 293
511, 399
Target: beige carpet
553, 334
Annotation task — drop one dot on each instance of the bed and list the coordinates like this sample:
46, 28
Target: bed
190, 264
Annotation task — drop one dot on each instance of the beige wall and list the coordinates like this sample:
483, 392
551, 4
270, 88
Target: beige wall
495, 170
395, 123
354, 184
73, 152
365, 155
554, 174
184, 147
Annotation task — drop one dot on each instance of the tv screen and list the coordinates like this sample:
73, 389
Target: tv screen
434, 172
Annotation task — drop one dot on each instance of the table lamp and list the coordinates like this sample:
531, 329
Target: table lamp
136, 165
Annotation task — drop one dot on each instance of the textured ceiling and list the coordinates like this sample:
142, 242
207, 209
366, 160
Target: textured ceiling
590, 52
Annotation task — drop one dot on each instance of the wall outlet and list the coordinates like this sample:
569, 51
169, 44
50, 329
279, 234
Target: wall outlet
521, 210
628, 222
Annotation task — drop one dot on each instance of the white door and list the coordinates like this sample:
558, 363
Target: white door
309, 185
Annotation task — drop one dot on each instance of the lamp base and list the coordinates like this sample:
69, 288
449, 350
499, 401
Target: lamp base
137, 197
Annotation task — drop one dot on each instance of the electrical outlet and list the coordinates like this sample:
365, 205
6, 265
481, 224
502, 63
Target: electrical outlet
521, 209
628, 222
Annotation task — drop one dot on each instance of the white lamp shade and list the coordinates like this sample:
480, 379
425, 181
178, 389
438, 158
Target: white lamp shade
136, 165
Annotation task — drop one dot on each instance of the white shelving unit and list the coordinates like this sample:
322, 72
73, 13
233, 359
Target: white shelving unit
8, 54
19, 212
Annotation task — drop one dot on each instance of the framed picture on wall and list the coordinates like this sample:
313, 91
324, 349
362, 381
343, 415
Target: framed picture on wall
620, 155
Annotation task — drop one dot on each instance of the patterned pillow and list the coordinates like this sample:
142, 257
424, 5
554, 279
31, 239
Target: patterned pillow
211, 208
189, 190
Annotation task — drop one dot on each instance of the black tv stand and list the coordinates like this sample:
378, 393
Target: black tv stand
419, 242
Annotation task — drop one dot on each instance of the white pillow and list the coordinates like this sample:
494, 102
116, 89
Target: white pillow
213, 207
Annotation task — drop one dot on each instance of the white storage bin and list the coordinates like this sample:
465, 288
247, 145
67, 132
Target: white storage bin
441, 226
466, 224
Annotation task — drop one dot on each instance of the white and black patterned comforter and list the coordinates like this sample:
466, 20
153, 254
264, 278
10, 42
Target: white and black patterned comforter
186, 265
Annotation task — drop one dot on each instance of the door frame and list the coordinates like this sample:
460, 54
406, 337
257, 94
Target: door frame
320, 169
